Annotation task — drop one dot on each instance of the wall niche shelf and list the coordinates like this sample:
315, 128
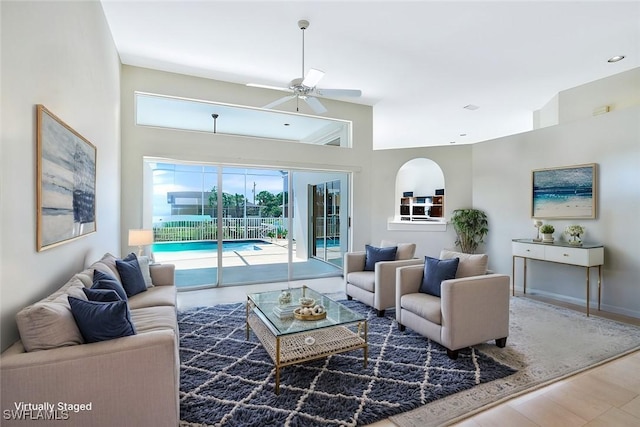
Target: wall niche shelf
419, 197
422, 208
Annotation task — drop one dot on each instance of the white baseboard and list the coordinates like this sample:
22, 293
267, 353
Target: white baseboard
581, 302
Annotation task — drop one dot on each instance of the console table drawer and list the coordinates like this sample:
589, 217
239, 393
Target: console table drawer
574, 256
527, 250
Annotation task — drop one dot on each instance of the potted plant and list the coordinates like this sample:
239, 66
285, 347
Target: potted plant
471, 227
547, 232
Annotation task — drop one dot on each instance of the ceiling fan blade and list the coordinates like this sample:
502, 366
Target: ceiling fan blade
279, 101
284, 89
339, 92
312, 78
315, 105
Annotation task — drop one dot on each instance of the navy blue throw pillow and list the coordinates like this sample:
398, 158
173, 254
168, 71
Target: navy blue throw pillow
374, 255
101, 295
131, 275
435, 271
101, 321
105, 281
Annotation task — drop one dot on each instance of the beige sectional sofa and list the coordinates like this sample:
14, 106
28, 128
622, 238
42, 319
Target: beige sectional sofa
127, 381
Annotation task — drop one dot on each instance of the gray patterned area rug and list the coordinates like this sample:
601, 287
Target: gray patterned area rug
226, 380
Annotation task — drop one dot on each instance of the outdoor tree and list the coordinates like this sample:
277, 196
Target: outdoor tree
270, 204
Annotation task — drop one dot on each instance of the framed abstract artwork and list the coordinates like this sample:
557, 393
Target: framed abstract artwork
66, 182
564, 192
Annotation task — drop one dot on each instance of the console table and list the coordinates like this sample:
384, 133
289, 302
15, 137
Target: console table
587, 255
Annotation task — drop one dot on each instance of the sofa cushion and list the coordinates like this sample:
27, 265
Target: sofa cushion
156, 296
73, 287
48, 324
424, 305
435, 271
107, 264
374, 255
470, 264
130, 275
101, 321
154, 319
405, 250
363, 279
104, 281
101, 295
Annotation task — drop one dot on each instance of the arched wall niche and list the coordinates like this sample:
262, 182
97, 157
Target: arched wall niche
423, 177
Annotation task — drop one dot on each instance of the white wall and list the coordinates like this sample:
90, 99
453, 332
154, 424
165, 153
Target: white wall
502, 187
61, 55
455, 162
138, 141
619, 91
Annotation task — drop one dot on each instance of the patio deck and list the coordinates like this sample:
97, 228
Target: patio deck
198, 269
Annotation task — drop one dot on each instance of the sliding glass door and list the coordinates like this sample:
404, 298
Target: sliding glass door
326, 221
224, 225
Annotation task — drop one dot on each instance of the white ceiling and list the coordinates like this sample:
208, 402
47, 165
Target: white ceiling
418, 63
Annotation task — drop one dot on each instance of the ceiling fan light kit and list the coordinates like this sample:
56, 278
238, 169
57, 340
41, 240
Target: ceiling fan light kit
304, 88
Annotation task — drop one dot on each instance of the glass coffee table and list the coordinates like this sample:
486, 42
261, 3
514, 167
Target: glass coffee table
289, 340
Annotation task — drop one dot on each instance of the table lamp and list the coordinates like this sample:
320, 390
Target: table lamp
140, 238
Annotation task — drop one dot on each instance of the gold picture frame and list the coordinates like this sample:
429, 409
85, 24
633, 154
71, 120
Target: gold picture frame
66, 182
568, 192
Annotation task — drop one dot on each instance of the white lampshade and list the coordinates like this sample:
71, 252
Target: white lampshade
140, 237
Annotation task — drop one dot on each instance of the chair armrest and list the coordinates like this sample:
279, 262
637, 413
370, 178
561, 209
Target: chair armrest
385, 281
474, 309
162, 274
385, 271
408, 280
353, 261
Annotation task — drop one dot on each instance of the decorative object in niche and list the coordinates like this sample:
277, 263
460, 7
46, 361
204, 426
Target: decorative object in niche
564, 192
66, 182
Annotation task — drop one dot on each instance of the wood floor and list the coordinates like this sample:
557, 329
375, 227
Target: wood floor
605, 396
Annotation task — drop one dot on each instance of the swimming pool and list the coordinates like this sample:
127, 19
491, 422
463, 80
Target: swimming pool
209, 245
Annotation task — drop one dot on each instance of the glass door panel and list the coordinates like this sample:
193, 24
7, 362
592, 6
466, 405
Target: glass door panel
254, 226
319, 200
183, 221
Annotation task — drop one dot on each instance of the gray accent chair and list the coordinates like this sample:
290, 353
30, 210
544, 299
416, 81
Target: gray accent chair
473, 307
376, 288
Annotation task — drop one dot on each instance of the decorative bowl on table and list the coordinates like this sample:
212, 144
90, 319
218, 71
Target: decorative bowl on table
316, 312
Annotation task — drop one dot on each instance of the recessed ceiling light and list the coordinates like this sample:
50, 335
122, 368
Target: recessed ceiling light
452, 142
471, 107
463, 134
287, 124
616, 58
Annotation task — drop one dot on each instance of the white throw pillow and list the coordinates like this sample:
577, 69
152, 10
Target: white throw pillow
143, 262
48, 324
405, 250
469, 265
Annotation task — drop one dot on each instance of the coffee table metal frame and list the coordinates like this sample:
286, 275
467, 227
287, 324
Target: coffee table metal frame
291, 341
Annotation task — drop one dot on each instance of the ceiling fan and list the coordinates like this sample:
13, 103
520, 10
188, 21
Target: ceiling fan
305, 87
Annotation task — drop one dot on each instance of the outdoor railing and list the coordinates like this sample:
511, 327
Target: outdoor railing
232, 229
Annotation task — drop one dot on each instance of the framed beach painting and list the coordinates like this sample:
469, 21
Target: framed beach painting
564, 192
66, 182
